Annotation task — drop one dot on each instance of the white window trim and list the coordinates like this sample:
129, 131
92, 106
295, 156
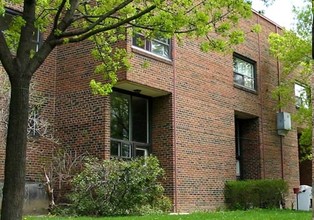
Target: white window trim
151, 53
254, 77
300, 96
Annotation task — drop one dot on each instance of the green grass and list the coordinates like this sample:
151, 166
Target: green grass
228, 215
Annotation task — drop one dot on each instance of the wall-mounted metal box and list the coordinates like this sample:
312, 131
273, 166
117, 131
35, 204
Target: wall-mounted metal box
283, 123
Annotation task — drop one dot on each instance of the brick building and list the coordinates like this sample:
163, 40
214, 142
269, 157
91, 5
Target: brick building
208, 117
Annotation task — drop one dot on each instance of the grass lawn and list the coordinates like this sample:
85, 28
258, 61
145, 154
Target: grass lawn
230, 215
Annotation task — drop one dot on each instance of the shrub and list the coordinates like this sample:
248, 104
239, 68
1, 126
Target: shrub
115, 187
255, 194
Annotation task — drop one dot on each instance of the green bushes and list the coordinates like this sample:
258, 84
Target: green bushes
255, 194
114, 187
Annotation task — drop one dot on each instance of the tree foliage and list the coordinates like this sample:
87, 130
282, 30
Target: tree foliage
293, 48
113, 187
106, 23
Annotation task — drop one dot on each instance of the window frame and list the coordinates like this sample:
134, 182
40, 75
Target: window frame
134, 145
299, 99
254, 77
147, 45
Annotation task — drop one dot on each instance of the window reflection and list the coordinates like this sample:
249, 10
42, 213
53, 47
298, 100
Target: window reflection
120, 116
159, 45
244, 73
129, 124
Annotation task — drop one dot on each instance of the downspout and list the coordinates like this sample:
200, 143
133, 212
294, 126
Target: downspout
261, 104
174, 138
280, 137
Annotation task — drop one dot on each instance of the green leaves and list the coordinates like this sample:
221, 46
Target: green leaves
2, 9
112, 59
117, 187
294, 51
212, 22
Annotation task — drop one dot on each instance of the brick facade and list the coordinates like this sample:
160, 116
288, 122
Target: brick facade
194, 108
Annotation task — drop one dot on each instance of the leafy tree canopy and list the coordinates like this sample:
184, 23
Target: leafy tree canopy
293, 48
106, 22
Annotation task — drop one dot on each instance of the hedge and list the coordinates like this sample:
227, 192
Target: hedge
247, 194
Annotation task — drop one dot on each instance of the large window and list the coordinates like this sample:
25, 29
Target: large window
159, 46
301, 96
5, 23
244, 72
129, 125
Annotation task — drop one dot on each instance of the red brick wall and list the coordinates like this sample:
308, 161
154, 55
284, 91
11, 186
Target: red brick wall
205, 101
162, 139
82, 119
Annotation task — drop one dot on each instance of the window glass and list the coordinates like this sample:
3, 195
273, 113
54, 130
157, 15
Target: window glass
159, 46
139, 41
139, 119
114, 148
300, 95
129, 124
120, 116
126, 150
160, 49
244, 73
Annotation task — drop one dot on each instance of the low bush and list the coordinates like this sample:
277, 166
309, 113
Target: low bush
249, 194
116, 187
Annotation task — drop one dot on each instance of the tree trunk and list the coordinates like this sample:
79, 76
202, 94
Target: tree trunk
15, 160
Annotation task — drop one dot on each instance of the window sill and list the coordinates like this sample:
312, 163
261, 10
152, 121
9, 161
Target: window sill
245, 89
151, 55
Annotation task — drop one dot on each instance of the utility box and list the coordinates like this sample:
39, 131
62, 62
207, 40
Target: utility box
304, 198
283, 123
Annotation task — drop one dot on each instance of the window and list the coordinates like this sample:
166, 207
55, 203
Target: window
159, 46
5, 23
129, 125
301, 96
244, 72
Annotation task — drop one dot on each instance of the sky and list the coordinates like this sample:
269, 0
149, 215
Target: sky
280, 11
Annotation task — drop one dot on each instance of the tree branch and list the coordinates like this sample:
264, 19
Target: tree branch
5, 55
57, 16
27, 31
99, 20
73, 39
157, 28
42, 54
67, 19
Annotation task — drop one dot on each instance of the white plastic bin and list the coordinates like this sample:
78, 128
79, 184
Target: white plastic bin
304, 198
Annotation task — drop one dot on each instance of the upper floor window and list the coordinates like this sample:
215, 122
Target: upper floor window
244, 72
129, 125
158, 46
5, 23
301, 96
